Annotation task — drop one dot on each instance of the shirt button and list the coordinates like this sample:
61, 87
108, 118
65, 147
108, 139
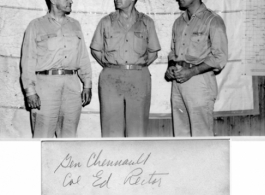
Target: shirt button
65, 56
182, 54
65, 46
126, 61
126, 40
183, 43
125, 50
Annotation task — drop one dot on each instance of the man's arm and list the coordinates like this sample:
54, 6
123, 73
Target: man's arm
98, 56
85, 71
152, 56
218, 56
28, 64
185, 74
97, 43
153, 45
172, 57
219, 45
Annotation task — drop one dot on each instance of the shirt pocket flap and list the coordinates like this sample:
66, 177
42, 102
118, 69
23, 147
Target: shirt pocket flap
74, 34
44, 37
140, 34
198, 37
112, 35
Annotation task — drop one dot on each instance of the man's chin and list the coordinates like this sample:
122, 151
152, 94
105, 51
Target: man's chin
182, 8
68, 11
117, 7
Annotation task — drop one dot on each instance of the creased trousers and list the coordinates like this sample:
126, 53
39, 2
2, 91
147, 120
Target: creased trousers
124, 102
61, 106
193, 105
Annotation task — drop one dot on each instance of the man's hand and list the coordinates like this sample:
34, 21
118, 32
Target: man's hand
86, 96
184, 74
33, 101
170, 72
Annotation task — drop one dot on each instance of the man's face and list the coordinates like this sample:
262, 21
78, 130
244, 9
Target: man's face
64, 5
122, 4
184, 4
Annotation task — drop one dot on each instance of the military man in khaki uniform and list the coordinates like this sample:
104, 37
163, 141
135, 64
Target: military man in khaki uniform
54, 55
125, 43
199, 47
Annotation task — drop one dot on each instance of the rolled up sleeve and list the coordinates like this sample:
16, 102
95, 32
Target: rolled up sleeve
172, 53
97, 40
219, 49
29, 60
85, 71
153, 42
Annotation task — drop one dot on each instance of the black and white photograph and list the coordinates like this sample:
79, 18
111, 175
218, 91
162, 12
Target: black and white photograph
122, 68
121, 79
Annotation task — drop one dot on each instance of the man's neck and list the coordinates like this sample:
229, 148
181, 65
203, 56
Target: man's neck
59, 16
127, 13
193, 8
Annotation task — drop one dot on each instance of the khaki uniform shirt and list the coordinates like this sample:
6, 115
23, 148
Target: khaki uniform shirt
50, 45
200, 39
125, 46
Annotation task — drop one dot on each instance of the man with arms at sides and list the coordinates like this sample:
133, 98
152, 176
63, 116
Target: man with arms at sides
125, 43
199, 47
54, 54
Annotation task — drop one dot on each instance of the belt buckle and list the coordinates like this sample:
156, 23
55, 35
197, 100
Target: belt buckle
61, 72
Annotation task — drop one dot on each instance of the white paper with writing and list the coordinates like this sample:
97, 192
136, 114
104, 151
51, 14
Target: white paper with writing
185, 167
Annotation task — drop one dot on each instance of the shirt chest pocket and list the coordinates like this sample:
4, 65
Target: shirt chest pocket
47, 42
140, 42
112, 42
72, 40
198, 44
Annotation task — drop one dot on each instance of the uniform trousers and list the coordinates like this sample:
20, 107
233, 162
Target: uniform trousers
61, 105
193, 105
124, 102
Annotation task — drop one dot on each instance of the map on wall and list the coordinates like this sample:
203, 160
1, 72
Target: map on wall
254, 37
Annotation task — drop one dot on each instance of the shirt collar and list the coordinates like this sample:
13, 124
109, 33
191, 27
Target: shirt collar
198, 13
116, 16
51, 18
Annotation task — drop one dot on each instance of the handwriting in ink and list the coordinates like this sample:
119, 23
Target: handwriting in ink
135, 177
95, 160
68, 180
101, 182
68, 163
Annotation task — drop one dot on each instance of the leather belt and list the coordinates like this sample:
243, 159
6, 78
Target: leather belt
185, 64
127, 67
56, 72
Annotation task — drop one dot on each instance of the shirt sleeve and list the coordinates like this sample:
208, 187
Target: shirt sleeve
172, 53
29, 60
153, 42
97, 42
219, 48
85, 71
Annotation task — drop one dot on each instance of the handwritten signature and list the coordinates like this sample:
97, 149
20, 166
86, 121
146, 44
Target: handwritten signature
135, 177
67, 162
95, 160
68, 180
